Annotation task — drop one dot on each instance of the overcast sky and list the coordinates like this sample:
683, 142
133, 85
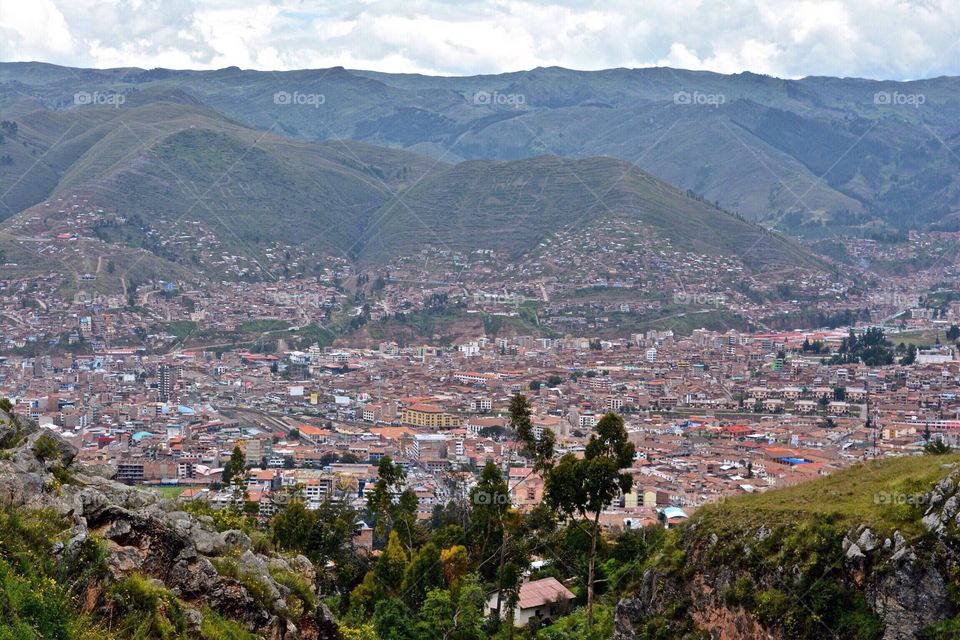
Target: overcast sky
890, 39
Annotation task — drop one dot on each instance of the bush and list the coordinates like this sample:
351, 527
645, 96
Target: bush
215, 627
147, 610
299, 588
46, 448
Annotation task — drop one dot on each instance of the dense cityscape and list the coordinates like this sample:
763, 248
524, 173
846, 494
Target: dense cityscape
509, 320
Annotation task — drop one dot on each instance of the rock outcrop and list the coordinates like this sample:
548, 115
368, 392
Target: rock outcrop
905, 581
147, 535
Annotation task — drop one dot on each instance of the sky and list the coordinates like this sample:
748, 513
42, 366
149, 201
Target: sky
882, 39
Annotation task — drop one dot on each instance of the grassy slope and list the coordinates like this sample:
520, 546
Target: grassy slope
763, 151
170, 158
511, 206
847, 497
779, 555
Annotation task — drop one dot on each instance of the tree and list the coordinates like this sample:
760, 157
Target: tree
520, 413
381, 582
490, 498
436, 616
586, 486
332, 540
392, 621
454, 615
235, 466
293, 526
539, 450
392, 565
423, 574
390, 479
937, 448
911, 356
455, 563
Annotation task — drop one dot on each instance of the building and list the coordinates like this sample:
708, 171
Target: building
429, 447
429, 416
167, 377
545, 600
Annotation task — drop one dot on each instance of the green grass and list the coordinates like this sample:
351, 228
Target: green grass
922, 338
312, 333
495, 325
40, 591
167, 491
35, 597
263, 325
182, 329
511, 206
848, 498
805, 525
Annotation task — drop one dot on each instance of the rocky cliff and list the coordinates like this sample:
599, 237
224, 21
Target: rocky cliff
135, 535
793, 564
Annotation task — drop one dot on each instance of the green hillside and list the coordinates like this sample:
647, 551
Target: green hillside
512, 206
801, 153
162, 159
859, 554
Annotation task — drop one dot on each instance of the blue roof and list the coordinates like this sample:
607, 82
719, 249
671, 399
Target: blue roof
674, 512
140, 435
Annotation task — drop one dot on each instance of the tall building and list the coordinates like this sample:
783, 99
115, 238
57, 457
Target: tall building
167, 378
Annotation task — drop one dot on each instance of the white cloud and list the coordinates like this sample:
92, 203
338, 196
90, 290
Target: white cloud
34, 30
788, 38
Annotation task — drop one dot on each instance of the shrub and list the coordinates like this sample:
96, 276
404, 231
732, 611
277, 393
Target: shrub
148, 610
215, 627
45, 447
299, 588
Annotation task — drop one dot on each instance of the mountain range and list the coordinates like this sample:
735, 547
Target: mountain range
803, 155
165, 156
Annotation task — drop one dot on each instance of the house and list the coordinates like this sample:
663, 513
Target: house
544, 599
